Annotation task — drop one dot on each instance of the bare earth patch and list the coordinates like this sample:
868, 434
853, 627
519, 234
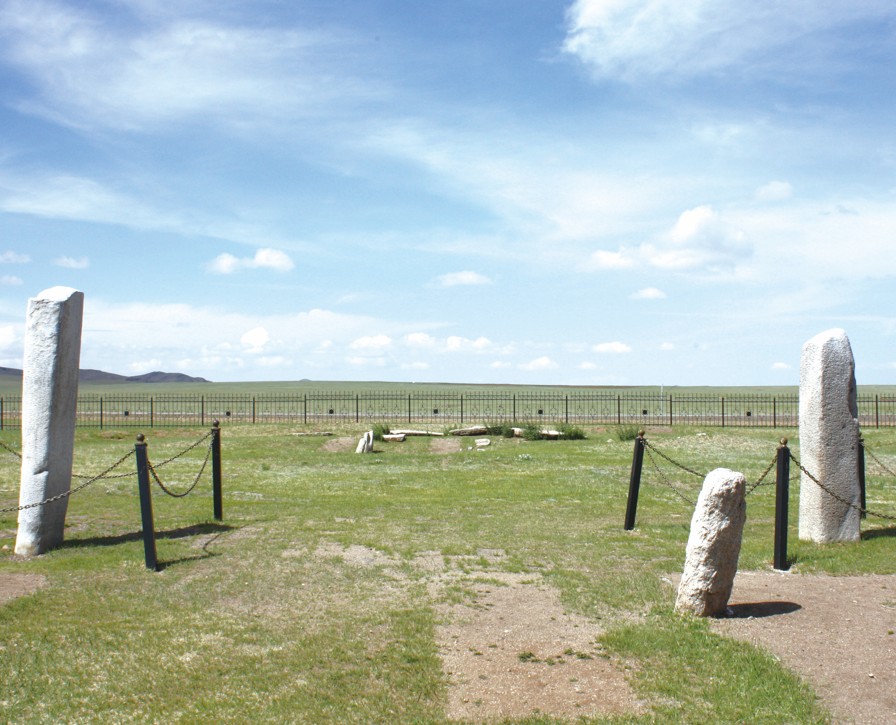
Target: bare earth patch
838, 633
18, 585
444, 445
513, 651
341, 444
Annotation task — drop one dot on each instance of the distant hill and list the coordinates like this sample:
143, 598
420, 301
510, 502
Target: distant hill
98, 376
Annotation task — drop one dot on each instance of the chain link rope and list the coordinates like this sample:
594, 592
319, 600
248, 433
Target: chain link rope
64, 494
665, 481
5, 447
651, 449
836, 497
152, 470
877, 460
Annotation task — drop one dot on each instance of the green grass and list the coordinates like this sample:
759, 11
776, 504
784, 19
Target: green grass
252, 615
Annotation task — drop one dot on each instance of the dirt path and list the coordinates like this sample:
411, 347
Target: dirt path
838, 633
510, 649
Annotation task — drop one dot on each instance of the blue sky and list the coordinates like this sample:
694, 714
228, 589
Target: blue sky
599, 192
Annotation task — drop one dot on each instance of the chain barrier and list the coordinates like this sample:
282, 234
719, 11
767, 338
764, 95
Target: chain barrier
185, 450
761, 481
839, 498
665, 481
64, 494
10, 450
650, 447
155, 475
876, 460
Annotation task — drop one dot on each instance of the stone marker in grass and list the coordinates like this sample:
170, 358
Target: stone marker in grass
713, 545
49, 401
829, 440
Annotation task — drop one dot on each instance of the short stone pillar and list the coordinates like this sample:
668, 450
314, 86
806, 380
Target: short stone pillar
365, 444
713, 545
49, 401
829, 440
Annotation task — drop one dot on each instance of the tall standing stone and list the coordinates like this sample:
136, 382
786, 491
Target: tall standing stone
829, 440
49, 400
717, 528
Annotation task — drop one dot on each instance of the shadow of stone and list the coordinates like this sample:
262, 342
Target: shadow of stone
759, 610
878, 533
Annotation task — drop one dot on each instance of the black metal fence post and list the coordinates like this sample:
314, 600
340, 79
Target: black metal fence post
217, 498
782, 500
149, 533
634, 483
861, 472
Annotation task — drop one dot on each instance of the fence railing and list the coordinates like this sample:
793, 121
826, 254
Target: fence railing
450, 408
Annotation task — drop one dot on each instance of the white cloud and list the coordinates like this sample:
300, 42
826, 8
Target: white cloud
264, 259
125, 75
371, 342
271, 259
614, 348
14, 258
7, 336
603, 259
673, 38
273, 361
455, 279
455, 343
540, 363
10, 280
666, 346
255, 339
224, 264
72, 263
366, 361
774, 191
700, 237
587, 366
781, 366
649, 293
420, 339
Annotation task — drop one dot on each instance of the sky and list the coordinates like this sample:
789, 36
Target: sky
588, 192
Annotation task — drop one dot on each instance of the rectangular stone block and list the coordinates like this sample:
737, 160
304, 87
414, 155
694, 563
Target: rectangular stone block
49, 400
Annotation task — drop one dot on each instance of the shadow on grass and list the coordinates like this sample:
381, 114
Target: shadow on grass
759, 610
215, 530
878, 533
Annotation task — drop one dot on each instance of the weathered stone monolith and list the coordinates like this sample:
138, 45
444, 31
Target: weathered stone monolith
829, 440
365, 444
713, 545
49, 400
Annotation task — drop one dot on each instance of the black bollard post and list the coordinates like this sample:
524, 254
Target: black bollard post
149, 533
635, 482
863, 502
782, 498
217, 498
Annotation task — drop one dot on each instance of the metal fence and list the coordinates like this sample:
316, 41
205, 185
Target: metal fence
450, 408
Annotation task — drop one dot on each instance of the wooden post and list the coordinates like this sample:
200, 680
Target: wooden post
217, 498
149, 533
634, 483
782, 499
863, 501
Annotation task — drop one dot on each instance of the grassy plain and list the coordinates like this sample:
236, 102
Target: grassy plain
251, 617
